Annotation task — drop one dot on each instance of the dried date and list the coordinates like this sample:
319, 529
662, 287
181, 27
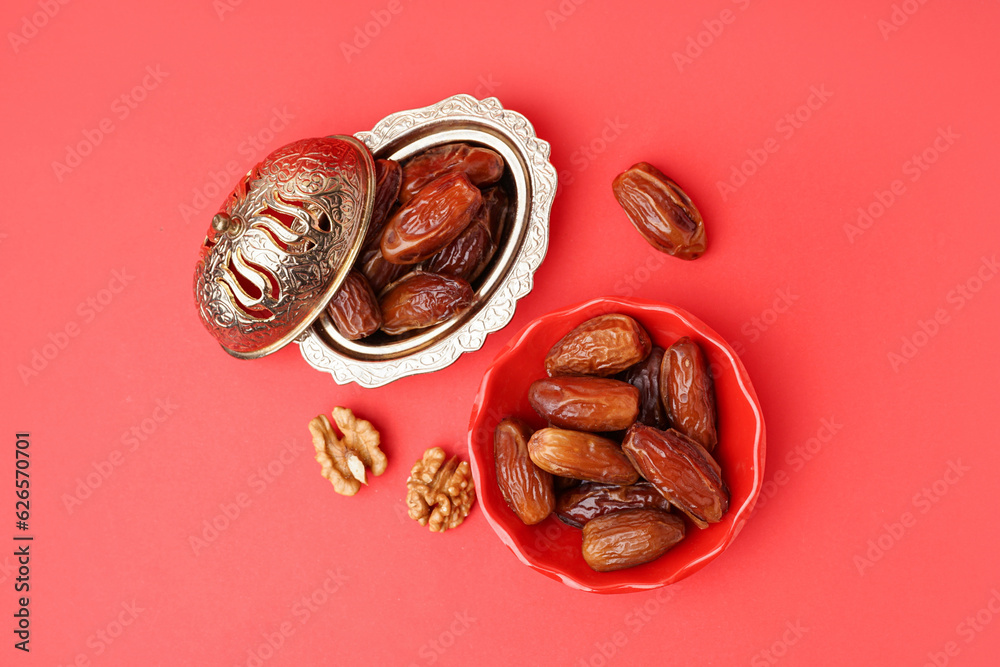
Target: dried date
630, 537
482, 165
680, 469
388, 179
602, 346
563, 483
580, 455
419, 300
645, 376
687, 392
585, 403
380, 273
466, 256
526, 488
589, 500
469, 255
660, 211
494, 212
354, 309
432, 219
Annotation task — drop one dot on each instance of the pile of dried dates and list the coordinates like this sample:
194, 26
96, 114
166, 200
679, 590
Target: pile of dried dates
631, 428
437, 222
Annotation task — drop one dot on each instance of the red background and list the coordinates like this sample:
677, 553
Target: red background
849, 560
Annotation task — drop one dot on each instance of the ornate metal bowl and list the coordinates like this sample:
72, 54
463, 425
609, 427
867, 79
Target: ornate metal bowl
531, 182
282, 243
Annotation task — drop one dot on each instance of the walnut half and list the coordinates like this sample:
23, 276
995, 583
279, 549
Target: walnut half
440, 494
343, 459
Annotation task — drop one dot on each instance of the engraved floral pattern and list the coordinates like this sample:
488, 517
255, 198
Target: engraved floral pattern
286, 228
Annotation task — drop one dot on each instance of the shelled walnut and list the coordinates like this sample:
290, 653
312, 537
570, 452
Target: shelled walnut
344, 459
440, 494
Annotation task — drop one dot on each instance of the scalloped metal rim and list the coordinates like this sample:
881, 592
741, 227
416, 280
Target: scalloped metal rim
499, 310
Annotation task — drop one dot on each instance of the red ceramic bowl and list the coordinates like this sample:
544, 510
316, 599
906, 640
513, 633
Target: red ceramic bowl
553, 548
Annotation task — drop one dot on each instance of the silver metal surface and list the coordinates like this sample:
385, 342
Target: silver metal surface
532, 182
283, 242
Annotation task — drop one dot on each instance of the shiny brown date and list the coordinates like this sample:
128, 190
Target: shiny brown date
481, 165
432, 219
602, 346
630, 537
563, 483
379, 272
419, 300
354, 309
589, 500
585, 403
681, 470
660, 211
687, 393
645, 376
526, 487
494, 211
580, 455
388, 178
466, 256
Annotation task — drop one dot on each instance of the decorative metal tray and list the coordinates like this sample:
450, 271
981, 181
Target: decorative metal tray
531, 182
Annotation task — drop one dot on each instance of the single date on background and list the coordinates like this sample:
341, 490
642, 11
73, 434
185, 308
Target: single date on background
22, 542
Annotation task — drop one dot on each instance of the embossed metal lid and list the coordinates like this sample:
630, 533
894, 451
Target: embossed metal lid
283, 242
